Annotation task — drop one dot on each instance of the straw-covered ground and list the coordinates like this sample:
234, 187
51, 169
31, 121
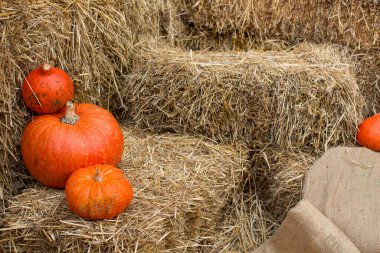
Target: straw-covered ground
182, 186
304, 97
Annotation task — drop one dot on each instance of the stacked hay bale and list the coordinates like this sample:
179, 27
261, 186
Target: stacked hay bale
305, 97
91, 40
182, 186
368, 75
288, 105
348, 22
293, 104
244, 24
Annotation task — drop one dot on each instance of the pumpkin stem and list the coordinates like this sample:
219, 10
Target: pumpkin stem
70, 117
98, 177
46, 67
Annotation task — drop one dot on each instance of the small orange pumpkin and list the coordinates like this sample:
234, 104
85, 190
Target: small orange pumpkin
47, 89
55, 145
368, 134
98, 192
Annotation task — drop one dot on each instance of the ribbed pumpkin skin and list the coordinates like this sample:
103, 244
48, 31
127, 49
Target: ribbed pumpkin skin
52, 150
53, 88
98, 200
369, 133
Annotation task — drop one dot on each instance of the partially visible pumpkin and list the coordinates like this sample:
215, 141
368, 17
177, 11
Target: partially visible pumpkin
98, 192
368, 134
54, 145
47, 89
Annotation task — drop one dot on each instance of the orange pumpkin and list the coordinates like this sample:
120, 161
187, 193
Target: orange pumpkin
47, 89
98, 192
55, 145
368, 134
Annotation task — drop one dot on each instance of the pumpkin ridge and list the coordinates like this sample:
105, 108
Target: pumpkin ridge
96, 131
88, 143
110, 186
106, 206
59, 134
87, 110
78, 190
88, 209
42, 133
109, 172
41, 143
41, 121
31, 130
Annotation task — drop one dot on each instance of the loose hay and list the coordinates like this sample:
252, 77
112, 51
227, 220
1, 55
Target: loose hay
181, 185
92, 40
278, 175
305, 97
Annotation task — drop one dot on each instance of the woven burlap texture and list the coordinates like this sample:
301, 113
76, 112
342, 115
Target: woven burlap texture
340, 210
344, 184
305, 229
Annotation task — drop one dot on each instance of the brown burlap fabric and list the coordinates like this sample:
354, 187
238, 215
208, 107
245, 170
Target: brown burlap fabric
340, 210
306, 230
344, 184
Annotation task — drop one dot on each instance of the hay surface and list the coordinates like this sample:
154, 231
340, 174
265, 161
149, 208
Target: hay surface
352, 23
245, 224
368, 75
305, 97
278, 175
181, 186
92, 40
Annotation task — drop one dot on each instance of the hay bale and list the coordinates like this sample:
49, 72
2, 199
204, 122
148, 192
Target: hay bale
182, 185
278, 175
195, 39
306, 96
273, 188
245, 224
351, 23
92, 40
243, 25
368, 75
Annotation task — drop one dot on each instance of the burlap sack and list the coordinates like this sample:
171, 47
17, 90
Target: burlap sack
344, 184
306, 230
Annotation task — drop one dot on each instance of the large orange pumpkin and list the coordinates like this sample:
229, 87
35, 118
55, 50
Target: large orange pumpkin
98, 192
368, 134
55, 145
47, 89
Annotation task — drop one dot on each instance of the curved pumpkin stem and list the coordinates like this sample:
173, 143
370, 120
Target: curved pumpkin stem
98, 177
70, 117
